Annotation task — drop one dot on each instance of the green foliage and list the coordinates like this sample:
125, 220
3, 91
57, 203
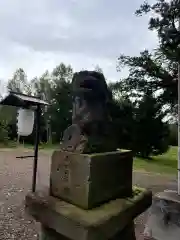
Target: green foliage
158, 70
152, 134
165, 23
61, 102
152, 82
55, 88
139, 125
3, 133
122, 113
3, 125
60, 110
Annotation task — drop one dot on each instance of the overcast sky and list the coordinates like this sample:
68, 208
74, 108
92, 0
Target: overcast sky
39, 34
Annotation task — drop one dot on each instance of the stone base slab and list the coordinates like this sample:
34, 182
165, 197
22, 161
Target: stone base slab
103, 222
128, 233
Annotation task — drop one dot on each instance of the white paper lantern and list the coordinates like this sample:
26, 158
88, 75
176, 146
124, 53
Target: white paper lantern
25, 122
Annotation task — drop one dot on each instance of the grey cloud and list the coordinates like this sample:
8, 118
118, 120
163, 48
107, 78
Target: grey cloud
98, 27
38, 34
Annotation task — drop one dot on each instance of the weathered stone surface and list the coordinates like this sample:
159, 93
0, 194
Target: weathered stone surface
164, 219
127, 233
103, 222
50, 234
91, 127
89, 180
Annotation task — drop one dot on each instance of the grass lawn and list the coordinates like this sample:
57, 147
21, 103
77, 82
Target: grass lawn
162, 164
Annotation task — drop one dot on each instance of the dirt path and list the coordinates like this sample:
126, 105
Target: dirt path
15, 182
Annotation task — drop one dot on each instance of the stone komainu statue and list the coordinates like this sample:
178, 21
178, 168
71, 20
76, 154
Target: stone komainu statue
90, 131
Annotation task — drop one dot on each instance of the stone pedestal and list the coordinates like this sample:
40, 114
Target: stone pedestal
164, 219
90, 198
108, 221
88, 180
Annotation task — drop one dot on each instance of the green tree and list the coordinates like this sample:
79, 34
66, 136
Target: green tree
151, 133
158, 70
55, 88
19, 82
122, 114
166, 23
41, 87
61, 100
138, 123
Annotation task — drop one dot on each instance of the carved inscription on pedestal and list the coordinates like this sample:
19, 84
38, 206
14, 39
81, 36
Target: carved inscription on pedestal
65, 173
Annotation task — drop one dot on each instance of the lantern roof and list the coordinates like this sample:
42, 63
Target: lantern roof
22, 100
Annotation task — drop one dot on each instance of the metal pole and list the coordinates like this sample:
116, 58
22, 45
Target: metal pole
179, 123
38, 113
